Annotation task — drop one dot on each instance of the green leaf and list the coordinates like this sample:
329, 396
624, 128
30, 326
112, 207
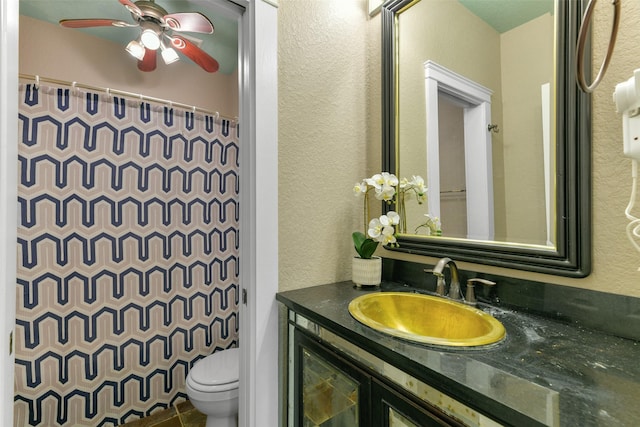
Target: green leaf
365, 247
368, 248
358, 239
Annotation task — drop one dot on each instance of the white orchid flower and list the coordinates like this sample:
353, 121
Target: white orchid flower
393, 217
390, 179
417, 182
375, 181
386, 193
387, 187
382, 229
417, 187
388, 236
375, 228
435, 221
360, 188
380, 180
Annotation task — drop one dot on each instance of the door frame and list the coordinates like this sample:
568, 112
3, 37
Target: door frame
259, 214
9, 15
478, 162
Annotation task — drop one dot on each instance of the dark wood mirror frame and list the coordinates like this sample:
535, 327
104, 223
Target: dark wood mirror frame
572, 255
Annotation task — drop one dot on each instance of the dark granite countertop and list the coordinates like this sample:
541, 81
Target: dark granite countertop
544, 373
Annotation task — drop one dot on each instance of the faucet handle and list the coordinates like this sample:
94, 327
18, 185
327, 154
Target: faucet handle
479, 280
470, 298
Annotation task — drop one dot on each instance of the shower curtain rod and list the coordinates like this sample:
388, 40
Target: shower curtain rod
131, 95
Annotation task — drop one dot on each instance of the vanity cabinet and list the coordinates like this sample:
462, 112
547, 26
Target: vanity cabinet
545, 373
393, 409
329, 389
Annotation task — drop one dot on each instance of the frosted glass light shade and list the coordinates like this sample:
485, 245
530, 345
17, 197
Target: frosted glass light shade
136, 49
169, 55
150, 39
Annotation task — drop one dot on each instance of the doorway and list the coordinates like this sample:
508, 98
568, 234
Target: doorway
465, 181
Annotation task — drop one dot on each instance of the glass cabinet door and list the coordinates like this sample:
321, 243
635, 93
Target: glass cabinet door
396, 419
393, 409
330, 392
329, 398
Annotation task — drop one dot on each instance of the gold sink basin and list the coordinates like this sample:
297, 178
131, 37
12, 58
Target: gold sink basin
427, 319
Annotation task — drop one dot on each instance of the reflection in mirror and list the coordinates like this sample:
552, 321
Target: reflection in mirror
483, 184
473, 92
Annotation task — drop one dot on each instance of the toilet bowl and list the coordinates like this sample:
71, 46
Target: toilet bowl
212, 387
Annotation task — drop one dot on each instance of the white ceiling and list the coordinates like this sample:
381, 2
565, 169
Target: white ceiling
221, 45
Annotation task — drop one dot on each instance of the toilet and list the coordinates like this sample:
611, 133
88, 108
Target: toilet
212, 387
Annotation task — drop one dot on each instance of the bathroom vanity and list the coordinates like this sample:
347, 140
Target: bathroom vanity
545, 372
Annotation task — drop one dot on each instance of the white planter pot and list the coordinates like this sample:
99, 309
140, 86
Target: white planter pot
367, 272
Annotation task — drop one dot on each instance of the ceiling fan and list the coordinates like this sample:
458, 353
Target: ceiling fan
158, 32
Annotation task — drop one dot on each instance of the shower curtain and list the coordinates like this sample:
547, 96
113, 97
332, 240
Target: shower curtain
127, 254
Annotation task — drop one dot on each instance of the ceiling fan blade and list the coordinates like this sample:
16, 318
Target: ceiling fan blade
194, 53
194, 40
88, 23
131, 7
148, 62
189, 21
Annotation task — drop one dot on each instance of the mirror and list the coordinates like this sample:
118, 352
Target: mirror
489, 114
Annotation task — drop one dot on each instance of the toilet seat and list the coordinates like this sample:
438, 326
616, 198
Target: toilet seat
217, 372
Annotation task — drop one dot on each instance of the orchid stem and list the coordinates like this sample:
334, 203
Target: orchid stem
366, 211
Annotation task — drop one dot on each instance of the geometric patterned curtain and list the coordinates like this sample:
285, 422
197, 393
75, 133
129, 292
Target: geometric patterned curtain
127, 254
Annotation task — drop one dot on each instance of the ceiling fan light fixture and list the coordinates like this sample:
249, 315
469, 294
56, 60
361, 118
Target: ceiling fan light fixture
136, 49
169, 54
150, 35
150, 39
158, 30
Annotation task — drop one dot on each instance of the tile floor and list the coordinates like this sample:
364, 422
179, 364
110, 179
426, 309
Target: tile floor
181, 415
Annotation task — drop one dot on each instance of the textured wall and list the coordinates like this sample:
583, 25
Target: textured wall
127, 255
325, 142
616, 262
